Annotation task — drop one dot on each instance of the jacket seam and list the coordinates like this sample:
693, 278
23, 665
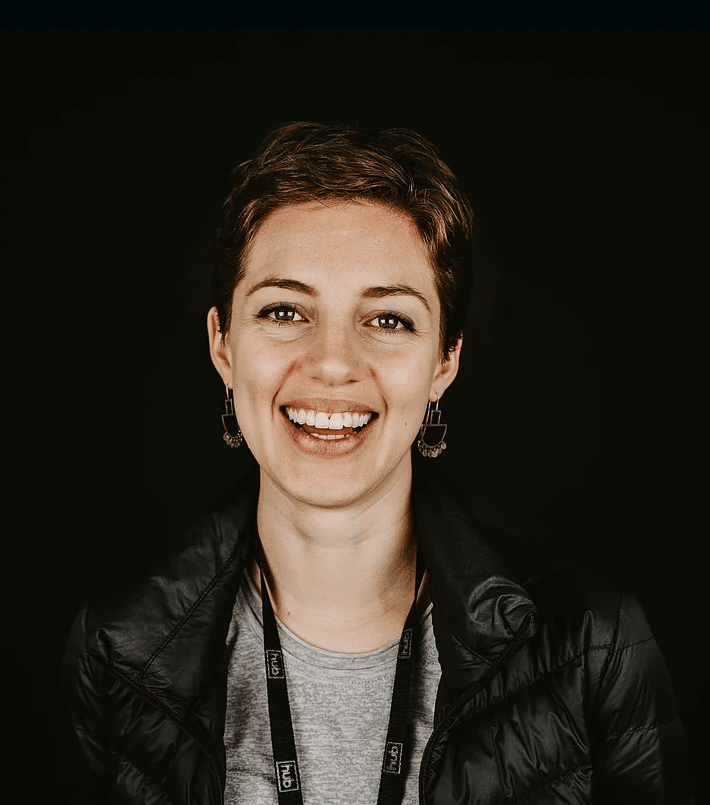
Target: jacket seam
541, 676
458, 637
658, 726
614, 638
549, 784
200, 598
549, 671
625, 647
606, 646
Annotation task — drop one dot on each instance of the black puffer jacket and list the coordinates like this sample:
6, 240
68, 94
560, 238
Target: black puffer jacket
553, 689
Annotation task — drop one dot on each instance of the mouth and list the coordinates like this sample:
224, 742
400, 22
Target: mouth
328, 427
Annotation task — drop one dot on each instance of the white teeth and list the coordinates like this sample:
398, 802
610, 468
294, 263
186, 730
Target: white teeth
321, 420
335, 421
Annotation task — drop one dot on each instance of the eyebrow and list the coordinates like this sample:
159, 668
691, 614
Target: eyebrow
374, 292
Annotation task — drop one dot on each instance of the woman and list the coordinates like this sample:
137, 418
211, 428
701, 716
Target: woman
340, 631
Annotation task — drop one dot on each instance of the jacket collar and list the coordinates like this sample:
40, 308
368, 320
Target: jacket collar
479, 601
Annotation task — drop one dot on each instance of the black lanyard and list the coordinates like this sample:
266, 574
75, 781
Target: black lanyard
394, 765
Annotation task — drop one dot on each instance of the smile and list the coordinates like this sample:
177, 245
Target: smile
321, 420
338, 426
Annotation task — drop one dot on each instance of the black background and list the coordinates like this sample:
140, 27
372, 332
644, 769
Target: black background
579, 418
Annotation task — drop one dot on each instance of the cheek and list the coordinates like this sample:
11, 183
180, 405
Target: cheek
257, 374
406, 385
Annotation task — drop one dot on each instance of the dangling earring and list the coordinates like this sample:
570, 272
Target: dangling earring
232, 435
431, 428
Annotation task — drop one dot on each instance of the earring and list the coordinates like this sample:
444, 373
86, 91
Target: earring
430, 429
232, 435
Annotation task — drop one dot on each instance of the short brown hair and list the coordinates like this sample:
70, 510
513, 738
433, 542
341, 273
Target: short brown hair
302, 162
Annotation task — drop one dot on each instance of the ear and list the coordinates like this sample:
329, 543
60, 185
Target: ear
219, 348
445, 373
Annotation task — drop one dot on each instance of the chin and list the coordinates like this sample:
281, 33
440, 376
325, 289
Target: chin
333, 485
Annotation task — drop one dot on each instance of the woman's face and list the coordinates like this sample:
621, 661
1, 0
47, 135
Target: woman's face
337, 316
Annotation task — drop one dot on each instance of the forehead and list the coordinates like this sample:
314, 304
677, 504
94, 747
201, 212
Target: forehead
340, 238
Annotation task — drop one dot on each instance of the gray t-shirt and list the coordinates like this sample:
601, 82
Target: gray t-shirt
340, 705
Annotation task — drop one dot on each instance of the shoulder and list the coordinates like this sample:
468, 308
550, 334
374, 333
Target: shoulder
595, 644
192, 584
582, 613
573, 599
593, 610
593, 636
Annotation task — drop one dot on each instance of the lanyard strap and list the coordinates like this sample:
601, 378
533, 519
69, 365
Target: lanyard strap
394, 764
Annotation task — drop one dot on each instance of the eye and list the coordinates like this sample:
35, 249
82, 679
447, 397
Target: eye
281, 314
392, 322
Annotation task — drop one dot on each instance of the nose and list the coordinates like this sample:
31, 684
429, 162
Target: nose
334, 356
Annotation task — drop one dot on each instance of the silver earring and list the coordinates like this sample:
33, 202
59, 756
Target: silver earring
232, 435
432, 428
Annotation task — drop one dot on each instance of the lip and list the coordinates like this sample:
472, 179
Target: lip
328, 406
328, 448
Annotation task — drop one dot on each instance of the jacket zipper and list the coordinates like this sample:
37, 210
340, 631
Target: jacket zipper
446, 722
158, 706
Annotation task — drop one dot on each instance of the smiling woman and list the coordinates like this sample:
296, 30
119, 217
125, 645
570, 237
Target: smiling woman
341, 630
337, 313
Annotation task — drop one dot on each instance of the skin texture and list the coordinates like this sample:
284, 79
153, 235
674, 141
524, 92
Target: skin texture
334, 516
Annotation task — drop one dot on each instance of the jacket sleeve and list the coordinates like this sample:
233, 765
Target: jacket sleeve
87, 766
639, 746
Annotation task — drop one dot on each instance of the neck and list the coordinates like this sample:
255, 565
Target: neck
340, 579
